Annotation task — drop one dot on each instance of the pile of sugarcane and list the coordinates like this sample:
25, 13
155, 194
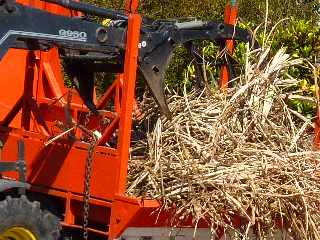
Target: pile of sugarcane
240, 152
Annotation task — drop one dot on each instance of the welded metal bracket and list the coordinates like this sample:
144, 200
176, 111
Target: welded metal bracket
20, 167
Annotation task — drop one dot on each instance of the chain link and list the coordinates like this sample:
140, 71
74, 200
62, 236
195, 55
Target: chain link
87, 182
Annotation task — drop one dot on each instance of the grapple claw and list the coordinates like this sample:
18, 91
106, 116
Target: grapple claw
161, 40
153, 68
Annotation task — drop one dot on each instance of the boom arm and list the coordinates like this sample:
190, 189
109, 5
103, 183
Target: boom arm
82, 41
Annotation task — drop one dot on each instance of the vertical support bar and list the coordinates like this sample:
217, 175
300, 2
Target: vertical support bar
127, 98
230, 17
28, 90
132, 6
21, 165
69, 217
117, 96
21, 162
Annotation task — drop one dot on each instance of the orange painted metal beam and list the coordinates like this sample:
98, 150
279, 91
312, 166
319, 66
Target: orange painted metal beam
230, 17
128, 91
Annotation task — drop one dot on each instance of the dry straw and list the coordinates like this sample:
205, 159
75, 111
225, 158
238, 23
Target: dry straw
241, 152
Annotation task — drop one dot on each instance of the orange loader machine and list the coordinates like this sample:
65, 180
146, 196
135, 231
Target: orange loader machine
64, 154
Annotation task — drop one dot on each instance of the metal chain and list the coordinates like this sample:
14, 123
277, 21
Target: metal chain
87, 119
88, 172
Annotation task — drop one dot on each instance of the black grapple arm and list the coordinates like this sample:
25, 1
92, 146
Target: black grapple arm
160, 46
95, 47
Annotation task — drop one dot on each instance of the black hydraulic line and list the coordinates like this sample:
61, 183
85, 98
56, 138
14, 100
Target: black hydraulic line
89, 9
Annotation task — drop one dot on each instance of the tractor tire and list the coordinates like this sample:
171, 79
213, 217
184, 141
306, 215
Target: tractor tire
21, 219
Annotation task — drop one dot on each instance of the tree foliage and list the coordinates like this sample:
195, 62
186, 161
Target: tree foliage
300, 33
249, 10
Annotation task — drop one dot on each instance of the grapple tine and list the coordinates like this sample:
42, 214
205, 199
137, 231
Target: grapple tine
153, 68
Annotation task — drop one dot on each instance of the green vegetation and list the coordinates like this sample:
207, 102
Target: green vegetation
299, 33
302, 39
249, 10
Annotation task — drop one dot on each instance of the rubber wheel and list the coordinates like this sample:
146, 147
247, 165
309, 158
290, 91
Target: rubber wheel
20, 213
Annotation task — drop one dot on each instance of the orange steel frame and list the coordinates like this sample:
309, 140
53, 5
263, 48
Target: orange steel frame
34, 101
230, 17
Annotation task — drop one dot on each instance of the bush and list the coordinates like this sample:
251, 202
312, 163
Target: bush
300, 34
254, 10
302, 39
249, 10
